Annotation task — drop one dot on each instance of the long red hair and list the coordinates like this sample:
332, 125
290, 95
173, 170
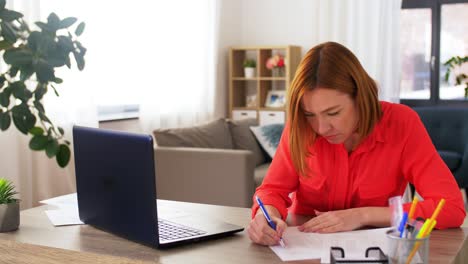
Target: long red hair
330, 65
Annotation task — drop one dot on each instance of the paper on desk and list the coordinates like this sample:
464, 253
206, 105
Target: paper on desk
67, 212
63, 201
301, 245
63, 217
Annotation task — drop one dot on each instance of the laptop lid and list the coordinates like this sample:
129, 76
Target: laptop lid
115, 181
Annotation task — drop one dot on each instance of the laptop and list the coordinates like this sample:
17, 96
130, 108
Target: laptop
116, 189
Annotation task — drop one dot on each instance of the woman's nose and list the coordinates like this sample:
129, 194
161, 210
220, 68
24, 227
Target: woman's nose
322, 126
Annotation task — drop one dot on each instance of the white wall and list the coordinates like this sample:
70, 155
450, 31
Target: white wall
279, 22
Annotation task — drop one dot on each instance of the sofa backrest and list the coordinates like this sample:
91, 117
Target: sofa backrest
447, 127
215, 134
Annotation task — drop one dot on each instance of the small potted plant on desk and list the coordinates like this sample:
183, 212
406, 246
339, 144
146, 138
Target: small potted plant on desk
9, 207
249, 68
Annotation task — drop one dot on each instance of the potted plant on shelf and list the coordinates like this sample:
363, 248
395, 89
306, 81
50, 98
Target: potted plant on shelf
249, 68
30, 58
454, 64
9, 207
276, 65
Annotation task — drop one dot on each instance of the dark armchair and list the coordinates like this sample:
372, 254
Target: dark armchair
448, 129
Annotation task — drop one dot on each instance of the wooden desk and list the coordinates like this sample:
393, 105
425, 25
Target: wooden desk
447, 246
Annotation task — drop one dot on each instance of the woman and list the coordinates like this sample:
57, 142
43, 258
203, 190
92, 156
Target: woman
343, 154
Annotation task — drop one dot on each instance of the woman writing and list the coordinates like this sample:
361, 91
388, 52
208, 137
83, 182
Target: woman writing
344, 153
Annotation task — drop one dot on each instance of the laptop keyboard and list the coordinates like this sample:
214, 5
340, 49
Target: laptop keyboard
172, 231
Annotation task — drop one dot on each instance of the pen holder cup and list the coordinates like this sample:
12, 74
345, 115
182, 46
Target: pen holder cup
407, 250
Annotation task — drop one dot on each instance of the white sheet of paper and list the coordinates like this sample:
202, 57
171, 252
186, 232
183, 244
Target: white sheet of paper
63, 217
62, 201
300, 245
67, 212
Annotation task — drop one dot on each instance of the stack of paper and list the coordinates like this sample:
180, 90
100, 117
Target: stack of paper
300, 245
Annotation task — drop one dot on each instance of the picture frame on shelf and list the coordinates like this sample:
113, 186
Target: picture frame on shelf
276, 99
251, 100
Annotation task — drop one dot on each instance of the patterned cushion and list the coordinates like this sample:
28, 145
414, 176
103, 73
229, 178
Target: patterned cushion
268, 136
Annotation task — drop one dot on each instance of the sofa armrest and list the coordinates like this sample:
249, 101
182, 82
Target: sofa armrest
201, 175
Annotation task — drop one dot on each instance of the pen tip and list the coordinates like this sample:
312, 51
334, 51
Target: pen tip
282, 243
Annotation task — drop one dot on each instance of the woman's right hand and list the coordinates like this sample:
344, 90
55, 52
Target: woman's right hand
261, 233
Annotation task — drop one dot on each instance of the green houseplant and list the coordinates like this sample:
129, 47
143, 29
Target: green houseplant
453, 63
250, 63
249, 68
9, 207
31, 57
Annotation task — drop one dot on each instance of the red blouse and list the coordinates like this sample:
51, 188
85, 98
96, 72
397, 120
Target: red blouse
397, 151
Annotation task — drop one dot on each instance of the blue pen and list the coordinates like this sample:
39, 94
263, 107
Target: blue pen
267, 217
401, 228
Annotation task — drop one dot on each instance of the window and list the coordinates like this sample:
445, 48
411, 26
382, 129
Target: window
432, 31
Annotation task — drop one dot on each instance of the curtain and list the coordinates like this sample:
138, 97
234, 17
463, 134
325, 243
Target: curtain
371, 29
35, 176
184, 59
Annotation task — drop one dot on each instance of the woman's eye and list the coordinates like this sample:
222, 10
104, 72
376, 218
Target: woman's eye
333, 114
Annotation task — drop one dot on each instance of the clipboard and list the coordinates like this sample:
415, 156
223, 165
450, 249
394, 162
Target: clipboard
373, 255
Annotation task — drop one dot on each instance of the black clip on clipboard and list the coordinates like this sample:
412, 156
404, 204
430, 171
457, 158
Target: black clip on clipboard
337, 255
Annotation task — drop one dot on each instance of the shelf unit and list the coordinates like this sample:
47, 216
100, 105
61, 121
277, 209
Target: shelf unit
241, 89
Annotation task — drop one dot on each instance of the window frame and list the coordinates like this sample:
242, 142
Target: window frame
436, 8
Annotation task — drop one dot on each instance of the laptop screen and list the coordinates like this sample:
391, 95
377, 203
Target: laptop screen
115, 181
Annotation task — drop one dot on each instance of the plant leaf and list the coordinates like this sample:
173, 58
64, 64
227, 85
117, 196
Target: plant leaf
26, 72
2, 4
65, 43
55, 90
61, 131
5, 121
10, 15
4, 44
38, 142
36, 131
44, 72
33, 40
44, 26
79, 60
63, 155
44, 118
8, 32
52, 148
53, 21
18, 57
67, 22
5, 98
79, 30
20, 91
22, 118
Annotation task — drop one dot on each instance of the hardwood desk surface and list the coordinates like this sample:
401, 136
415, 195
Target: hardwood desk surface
446, 246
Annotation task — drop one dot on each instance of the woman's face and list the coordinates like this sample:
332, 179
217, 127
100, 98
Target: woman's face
331, 113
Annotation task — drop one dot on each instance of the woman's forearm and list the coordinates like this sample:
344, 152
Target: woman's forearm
376, 216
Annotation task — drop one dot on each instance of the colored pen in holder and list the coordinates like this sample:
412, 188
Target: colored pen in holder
404, 250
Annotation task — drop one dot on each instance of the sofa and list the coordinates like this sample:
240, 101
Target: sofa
220, 163
448, 129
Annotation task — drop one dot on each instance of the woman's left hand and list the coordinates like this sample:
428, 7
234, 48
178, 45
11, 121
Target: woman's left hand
334, 221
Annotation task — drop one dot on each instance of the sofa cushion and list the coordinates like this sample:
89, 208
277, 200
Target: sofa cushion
243, 138
451, 158
268, 136
214, 134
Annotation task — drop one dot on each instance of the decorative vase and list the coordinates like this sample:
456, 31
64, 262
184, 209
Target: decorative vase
9, 216
249, 72
278, 72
